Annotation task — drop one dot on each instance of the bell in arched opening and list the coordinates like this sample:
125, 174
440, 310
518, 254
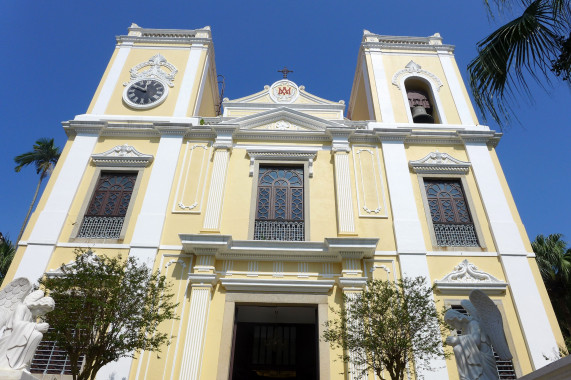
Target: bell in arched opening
420, 107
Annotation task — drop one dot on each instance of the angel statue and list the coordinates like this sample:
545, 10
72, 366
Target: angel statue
20, 308
481, 329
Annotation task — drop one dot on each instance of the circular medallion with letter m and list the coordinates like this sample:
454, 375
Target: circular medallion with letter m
284, 91
145, 93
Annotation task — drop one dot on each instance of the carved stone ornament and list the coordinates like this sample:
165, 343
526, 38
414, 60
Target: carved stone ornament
284, 91
20, 308
412, 69
439, 163
155, 70
122, 156
466, 277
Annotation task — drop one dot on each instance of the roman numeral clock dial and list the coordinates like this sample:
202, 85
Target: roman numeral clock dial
145, 93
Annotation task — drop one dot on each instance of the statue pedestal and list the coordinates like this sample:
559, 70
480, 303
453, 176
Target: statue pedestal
10, 374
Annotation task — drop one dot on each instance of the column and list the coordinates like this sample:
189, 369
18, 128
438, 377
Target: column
533, 318
409, 237
46, 230
201, 289
352, 288
344, 194
222, 147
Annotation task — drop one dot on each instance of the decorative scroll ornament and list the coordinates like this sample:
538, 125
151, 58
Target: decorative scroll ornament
439, 163
284, 91
156, 70
412, 69
122, 155
466, 277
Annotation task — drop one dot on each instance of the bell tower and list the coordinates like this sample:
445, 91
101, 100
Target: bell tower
409, 80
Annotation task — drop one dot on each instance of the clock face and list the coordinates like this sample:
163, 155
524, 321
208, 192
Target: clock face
145, 93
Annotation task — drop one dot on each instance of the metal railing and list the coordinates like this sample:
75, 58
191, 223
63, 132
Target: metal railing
283, 230
101, 227
455, 235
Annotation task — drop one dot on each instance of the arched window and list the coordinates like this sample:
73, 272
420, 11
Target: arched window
279, 211
421, 101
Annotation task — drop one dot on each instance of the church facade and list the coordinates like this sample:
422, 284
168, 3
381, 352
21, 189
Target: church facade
264, 210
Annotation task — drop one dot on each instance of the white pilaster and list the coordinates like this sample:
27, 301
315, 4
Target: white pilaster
345, 215
354, 370
222, 147
382, 87
112, 78
150, 221
408, 231
191, 75
455, 88
196, 329
539, 337
51, 220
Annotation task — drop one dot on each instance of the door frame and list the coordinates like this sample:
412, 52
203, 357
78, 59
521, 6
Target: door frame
226, 341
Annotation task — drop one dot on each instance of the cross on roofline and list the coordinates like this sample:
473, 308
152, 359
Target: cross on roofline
285, 72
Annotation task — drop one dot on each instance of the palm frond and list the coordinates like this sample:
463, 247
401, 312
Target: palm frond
520, 49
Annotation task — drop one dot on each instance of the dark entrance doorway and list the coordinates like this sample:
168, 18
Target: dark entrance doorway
275, 343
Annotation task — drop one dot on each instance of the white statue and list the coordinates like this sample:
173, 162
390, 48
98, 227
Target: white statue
481, 330
19, 311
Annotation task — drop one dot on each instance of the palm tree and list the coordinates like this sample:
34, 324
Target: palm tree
7, 252
44, 156
554, 261
530, 46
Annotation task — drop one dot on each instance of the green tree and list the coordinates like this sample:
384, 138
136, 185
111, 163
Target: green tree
554, 262
531, 46
107, 308
387, 326
43, 156
7, 252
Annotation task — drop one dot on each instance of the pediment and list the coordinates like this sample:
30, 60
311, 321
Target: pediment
465, 277
284, 119
122, 155
439, 163
284, 93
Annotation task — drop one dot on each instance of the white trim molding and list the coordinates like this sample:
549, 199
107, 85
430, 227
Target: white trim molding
279, 286
465, 277
282, 154
369, 182
439, 163
124, 156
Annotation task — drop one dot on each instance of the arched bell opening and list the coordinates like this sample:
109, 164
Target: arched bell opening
421, 101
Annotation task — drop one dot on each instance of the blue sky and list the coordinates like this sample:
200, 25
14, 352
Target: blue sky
54, 53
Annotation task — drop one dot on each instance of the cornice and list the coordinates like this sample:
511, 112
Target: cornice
431, 43
75, 127
283, 153
223, 247
277, 286
439, 163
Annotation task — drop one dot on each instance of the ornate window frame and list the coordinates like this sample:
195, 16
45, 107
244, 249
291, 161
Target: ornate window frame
414, 70
280, 156
437, 165
120, 159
